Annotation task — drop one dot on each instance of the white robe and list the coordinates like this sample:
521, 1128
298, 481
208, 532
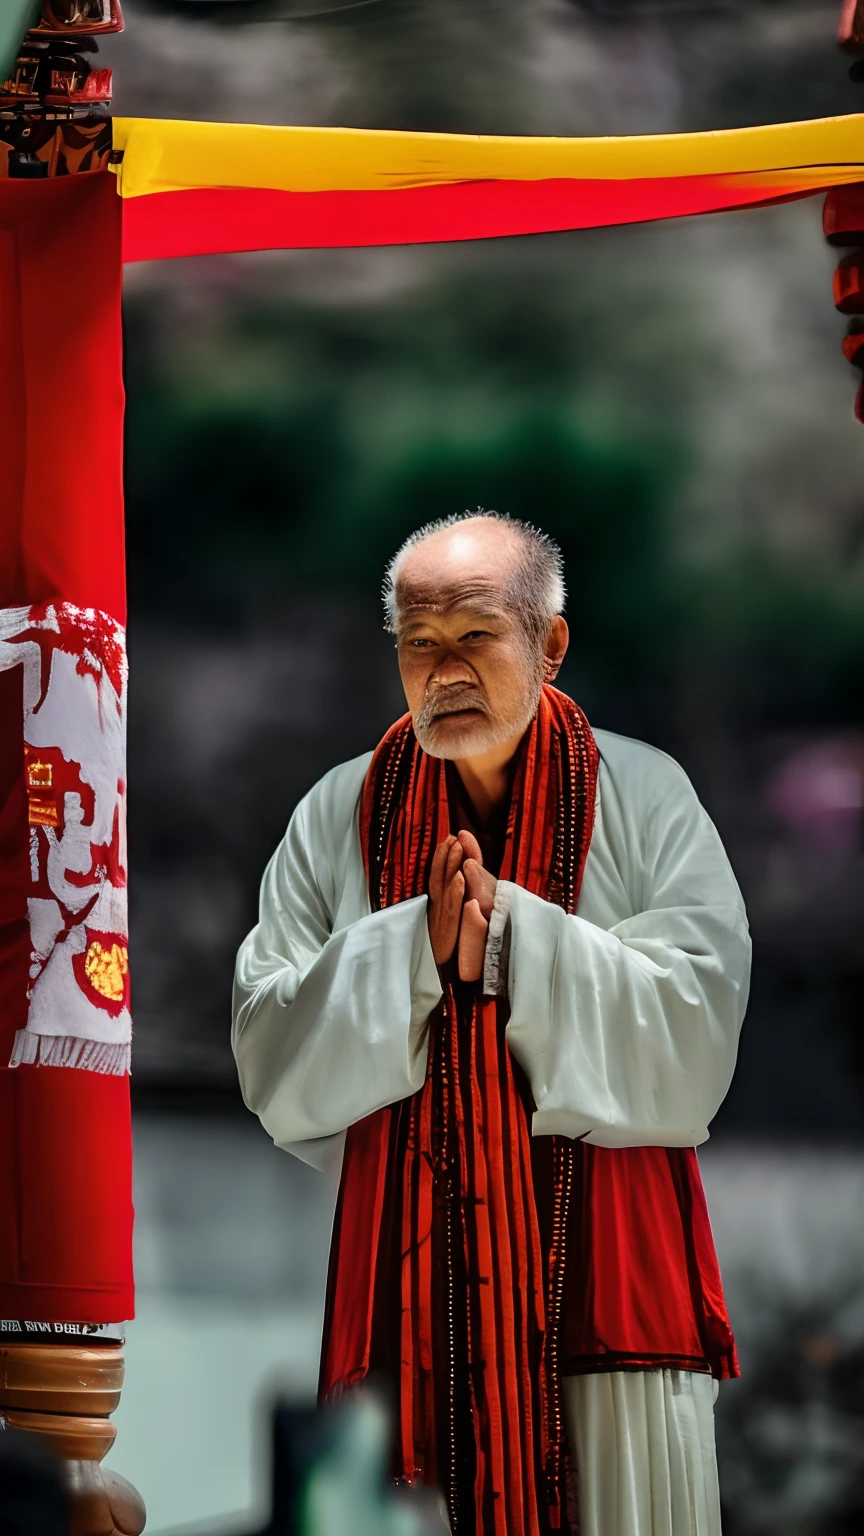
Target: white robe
625, 1019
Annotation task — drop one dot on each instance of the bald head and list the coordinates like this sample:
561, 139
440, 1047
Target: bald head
478, 557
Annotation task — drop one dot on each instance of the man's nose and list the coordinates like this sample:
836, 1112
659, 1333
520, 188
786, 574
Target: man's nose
451, 669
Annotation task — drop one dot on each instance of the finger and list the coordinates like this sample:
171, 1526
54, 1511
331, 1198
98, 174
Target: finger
454, 859
472, 942
439, 864
448, 924
470, 845
443, 919
454, 897
481, 886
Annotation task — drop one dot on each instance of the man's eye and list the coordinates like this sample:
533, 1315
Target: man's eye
420, 644
475, 634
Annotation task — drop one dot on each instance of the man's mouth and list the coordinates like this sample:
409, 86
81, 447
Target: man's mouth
464, 709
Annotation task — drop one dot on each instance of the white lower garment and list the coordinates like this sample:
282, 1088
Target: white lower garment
643, 1442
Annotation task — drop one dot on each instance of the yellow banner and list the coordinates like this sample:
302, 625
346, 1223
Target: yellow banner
161, 155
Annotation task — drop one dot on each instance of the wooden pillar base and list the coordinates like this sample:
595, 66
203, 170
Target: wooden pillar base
64, 1393
61, 1378
71, 1437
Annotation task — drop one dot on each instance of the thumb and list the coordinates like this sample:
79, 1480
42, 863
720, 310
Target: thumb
472, 942
471, 846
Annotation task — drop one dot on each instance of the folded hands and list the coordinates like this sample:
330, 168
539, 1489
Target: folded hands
461, 898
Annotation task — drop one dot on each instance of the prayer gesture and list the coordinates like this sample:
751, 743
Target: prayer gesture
446, 895
461, 897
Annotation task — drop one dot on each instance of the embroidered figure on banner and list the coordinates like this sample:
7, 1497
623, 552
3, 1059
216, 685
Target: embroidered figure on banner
74, 672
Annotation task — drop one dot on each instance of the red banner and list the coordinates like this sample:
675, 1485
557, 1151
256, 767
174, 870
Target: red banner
65, 1138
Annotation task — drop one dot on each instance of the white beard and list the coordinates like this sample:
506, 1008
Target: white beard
478, 736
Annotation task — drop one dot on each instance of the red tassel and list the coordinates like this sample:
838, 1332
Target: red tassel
843, 225
843, 215
849, 284
853, 348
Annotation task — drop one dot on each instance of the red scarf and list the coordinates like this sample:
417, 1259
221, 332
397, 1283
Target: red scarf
473, 1265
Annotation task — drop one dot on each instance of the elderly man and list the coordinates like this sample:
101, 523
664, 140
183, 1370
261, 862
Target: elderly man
500, 969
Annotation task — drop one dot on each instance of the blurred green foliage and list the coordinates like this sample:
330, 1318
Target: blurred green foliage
789, 632
288, 448
239, 494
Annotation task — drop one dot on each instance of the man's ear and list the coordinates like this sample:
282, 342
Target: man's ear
555, 648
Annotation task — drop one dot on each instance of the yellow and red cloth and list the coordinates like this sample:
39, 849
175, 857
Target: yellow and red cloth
189, 188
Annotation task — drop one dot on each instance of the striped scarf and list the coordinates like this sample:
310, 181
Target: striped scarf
445, 1281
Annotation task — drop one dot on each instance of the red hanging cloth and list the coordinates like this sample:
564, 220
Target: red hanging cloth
65, 1138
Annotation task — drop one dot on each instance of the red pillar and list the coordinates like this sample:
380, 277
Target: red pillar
65, 1132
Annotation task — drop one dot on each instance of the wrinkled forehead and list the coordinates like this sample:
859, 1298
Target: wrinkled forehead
420, 598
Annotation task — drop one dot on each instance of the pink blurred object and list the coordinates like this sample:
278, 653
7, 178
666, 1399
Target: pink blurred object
850, 30
818, 792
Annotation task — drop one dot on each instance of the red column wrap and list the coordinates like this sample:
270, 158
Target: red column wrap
65, 1138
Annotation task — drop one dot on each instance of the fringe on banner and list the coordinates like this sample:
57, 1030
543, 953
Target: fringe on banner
69, 1051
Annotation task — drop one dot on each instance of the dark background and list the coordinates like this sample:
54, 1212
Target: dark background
670, 402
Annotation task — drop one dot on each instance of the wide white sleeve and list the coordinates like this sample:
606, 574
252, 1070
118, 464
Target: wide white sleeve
328, 1026
629, 1035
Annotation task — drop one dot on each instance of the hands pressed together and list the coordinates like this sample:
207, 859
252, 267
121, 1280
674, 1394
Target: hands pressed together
461, 897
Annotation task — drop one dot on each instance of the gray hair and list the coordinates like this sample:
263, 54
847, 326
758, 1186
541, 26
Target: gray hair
535, 591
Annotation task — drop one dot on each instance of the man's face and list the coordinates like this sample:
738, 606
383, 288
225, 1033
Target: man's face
471, 678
